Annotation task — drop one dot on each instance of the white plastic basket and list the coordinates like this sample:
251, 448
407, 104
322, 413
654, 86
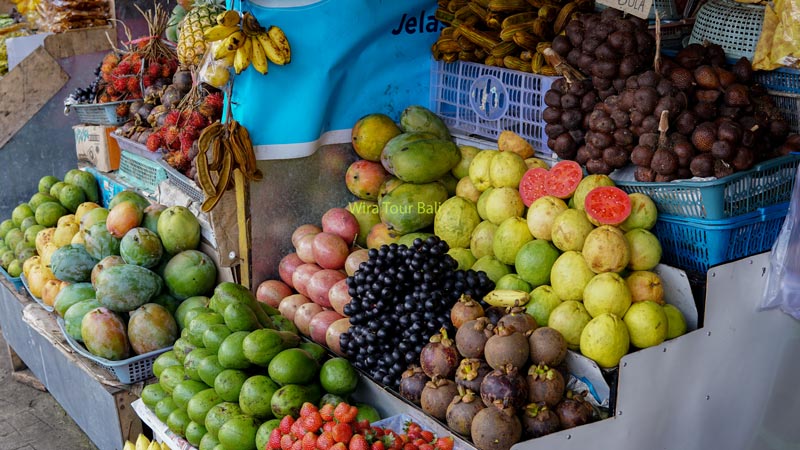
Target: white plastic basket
480, 100
734, 26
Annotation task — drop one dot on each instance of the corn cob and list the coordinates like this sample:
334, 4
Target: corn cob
507, 6
507, 33
448, 46
445, 16
480, 38
504, 48
525, 40
455, 5
563, 16
519, 18
515, 63
466, 44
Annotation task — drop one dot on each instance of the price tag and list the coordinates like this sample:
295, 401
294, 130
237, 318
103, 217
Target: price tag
638, 8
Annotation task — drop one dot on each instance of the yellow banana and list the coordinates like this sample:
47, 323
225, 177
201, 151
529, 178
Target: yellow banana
278, 38
219, 32
129, 446
250, 25
507, 297
142, 442
228, 18
243, 56
220, 51
154, 446
259, 57
164, 446
270, 50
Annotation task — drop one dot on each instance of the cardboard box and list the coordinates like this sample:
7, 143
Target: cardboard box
94, 144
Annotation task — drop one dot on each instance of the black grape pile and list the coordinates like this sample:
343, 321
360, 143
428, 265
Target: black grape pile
89, 93
400, 297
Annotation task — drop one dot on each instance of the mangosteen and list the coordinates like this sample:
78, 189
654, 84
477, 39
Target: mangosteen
553, 130
574, 410
569, 101
601, 83
470, 373
471, 337
552, 98
155, 113
582, 156
496, 428
462, 411
683, 173
538, 420
545, 385
588, 101
170, 97
607, 69
517, 318
646, 98
182, 79
506, 346
599, 140
547, 346
437, 395
561, 45
439, 356
552, 114
412, 382
465, 309
623, 136
686, 122
505, 385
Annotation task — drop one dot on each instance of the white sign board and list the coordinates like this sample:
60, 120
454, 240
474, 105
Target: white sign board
638, 8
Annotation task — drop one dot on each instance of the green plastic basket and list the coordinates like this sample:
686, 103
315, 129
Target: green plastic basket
140, 172
766, 184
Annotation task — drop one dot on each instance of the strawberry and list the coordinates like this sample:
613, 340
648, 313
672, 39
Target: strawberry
425, 446
345, 413
427, 435
297, 429
339, 446
274, 440
326, 412
286, 442
358, 442
312, 422
297, 445
409, 446
328, 426
419, 441
361, 426
309, 441
286, 424
377, 445
342, 432
325, 441
444, 443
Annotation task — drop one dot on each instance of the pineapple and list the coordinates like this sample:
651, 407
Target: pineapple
191, 43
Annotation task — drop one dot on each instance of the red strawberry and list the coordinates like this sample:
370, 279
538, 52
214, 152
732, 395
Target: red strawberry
297, 429
362, 425
297, 445
427, 435
286, 442
326, 412
339, 446
328, 426
377, 445
325, 441
444, 443
419, 441
153, 142
274, 440
409, 446
309, 441
358, 442
286, 424
345, 413
425, 446
342, 432
312, 422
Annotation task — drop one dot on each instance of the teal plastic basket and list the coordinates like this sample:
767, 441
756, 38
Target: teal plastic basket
697, 244
16, 281
140, 172
766, 184
781, 80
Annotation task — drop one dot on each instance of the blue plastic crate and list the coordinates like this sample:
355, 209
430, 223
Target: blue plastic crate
16, 281
783, 79
696, 244
766, 184
108, 187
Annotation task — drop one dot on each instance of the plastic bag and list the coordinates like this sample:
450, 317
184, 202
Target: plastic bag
783, 277
779, 43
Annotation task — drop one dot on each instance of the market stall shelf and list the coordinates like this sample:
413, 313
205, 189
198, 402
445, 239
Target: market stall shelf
95, 400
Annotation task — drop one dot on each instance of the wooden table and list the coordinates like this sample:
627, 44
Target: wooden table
90, 394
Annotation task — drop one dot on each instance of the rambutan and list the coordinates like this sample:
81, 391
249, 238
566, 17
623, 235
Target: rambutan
171, 133
111, 90
154, 69
107, 67
123, 109
168, 69
111, 59
197, 120
123, 68
186, 143
148, 80
120, 84
107, 77
133, 84
215, 100
185, 116
172, 117
153, 142
104, 98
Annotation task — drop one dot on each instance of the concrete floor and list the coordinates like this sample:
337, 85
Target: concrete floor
32, 419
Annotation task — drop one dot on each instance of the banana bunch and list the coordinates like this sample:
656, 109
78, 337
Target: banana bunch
142, 443
25, 6
507, 297
243, 41
221, 150
503, 33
